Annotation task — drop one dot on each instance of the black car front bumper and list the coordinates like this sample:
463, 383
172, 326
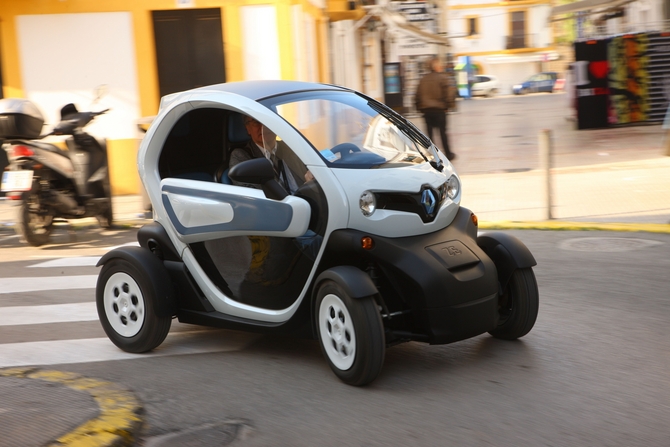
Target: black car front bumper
442, 283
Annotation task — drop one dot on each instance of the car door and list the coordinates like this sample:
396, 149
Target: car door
245, 251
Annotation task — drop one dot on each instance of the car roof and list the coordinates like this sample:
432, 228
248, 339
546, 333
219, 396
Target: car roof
258, 90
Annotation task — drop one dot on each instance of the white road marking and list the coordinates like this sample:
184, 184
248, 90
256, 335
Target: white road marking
17, 285
102, 350
78, 261
51, 313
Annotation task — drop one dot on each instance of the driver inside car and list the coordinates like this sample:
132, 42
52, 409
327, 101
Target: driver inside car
272, 259
290, 171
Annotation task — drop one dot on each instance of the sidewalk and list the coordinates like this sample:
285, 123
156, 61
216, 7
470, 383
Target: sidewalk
55, 408
614, 175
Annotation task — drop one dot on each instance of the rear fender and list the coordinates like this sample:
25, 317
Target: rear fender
507, 252
160, 280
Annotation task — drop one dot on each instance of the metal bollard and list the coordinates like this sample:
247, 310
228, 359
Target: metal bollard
546, 152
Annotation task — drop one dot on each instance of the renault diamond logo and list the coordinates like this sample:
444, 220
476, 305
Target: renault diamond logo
428, 201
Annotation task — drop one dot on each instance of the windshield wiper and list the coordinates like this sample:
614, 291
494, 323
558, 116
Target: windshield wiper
409, 129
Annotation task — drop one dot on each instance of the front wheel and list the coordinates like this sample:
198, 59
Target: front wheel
351, 334
518, 306
126, 305
35, 223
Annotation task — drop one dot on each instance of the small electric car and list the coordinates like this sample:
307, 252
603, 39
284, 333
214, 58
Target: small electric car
365, 247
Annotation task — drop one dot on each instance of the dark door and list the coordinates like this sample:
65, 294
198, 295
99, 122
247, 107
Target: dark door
189, 49
518, 29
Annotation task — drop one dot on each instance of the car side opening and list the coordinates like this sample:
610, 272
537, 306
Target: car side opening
264, 271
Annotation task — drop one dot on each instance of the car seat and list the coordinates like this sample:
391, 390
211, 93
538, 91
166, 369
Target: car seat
237, 137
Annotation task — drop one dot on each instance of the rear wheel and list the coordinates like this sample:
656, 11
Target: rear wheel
518, 306
35, 222
351, 334
126, 305
106, 218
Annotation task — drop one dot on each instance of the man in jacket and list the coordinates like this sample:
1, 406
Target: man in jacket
433, 96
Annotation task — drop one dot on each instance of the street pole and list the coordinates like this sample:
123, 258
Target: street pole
545, 165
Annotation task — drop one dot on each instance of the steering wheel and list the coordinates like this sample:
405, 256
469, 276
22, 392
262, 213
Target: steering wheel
345, 149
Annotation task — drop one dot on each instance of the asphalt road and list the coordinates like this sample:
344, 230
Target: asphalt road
593, 371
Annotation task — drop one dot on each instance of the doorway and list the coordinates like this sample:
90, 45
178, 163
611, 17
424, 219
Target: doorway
189, 49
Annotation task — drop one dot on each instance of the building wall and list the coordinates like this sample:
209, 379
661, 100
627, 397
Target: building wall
488, 48
56, 51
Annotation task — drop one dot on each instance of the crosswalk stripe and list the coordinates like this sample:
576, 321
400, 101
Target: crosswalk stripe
77, 261
18, 285
51, 313
102, 350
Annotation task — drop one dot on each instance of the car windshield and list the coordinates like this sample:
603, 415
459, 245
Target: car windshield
352, 131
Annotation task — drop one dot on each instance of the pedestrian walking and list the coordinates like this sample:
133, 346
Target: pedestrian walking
433, 97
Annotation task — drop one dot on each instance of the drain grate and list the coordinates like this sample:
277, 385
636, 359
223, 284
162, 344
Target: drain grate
607, 244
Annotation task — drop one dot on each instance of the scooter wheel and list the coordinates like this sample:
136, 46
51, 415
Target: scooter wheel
33, 224
106, 219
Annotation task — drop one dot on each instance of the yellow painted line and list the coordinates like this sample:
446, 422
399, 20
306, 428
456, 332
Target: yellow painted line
118, 421
558, 225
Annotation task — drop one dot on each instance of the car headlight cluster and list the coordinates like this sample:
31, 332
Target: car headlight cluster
453, 187
368, 203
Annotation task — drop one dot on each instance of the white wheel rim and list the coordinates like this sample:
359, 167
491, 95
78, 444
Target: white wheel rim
337, 332
124, 304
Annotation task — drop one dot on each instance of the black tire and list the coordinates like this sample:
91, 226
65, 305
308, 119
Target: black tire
106, 219
126, 307
518, 306
351, 334
34, 223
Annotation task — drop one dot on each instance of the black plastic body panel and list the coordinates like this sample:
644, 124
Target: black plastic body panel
507, 252
154, 237
448, 282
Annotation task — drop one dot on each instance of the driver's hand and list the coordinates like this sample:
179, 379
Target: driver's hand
309, 176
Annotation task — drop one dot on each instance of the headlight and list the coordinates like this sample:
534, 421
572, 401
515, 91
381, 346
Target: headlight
453, 187
368, 203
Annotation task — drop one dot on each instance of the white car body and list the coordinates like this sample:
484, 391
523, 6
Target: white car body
372, 249
485, 85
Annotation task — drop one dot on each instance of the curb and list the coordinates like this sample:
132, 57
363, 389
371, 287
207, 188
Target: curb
553, 225
119, 419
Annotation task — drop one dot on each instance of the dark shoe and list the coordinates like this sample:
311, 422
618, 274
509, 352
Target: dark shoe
451, 156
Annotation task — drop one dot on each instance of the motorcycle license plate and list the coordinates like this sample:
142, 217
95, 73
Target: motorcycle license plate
17, 180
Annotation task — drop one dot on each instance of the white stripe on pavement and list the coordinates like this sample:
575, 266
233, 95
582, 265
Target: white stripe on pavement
50, 313
77, 261
102, 350
17, 285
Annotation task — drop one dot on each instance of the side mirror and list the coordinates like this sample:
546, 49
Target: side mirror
256, 171
259, 171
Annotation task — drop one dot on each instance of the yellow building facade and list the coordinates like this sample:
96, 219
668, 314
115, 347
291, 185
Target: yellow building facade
57, 51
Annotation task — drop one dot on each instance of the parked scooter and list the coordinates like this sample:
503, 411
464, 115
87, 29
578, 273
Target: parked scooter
52, 182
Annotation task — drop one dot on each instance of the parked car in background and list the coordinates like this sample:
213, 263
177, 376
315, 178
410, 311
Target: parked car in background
540, 82
485, 85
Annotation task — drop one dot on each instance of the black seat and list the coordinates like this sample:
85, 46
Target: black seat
237, 137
